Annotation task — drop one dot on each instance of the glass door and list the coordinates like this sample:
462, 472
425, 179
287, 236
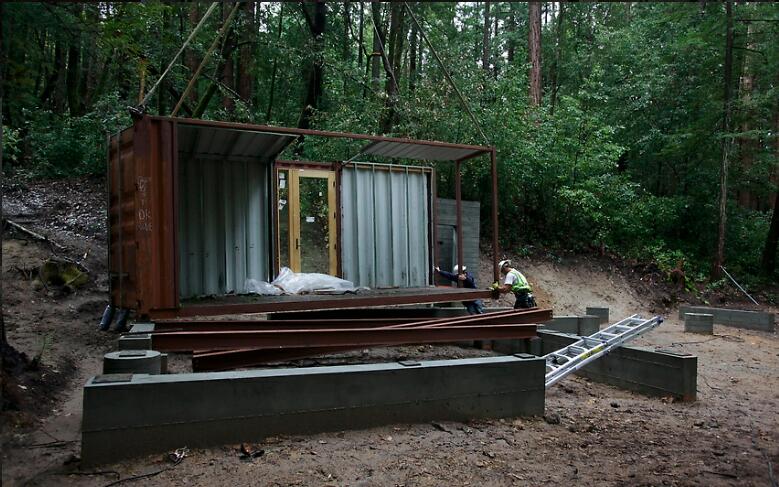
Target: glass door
306, 217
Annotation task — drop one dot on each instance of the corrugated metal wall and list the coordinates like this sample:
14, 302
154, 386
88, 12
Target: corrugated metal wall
385, 225
446, 234
223, 225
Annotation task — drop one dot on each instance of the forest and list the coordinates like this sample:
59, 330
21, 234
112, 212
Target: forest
646, 131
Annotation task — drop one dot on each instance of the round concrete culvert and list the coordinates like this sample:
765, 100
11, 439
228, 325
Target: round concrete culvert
132, 362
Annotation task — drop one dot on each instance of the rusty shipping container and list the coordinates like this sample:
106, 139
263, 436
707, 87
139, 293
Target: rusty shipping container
194, 210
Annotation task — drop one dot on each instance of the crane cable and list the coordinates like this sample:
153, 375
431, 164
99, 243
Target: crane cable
184, 46
447, 75
210, 51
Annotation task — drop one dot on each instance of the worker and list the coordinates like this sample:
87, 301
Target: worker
516, 283
457, 274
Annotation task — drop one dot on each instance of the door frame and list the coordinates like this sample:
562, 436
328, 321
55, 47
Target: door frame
297, 170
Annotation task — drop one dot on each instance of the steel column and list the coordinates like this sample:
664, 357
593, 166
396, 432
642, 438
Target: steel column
495, 249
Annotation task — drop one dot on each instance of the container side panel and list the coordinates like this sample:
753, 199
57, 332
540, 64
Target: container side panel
121, 170
257, 223
155, 214
385, 226
399, 229
240, 203
213, 229
382, 224
229, 235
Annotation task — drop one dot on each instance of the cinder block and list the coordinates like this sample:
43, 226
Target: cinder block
141, 328
155, 413
135, 341
657, 373
600, 312
575, 325
699, 323
750, 320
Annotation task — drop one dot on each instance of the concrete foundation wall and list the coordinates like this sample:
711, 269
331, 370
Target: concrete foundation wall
636, 369
751, 320
143, 414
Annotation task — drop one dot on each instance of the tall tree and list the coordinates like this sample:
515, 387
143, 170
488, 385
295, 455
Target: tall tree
246, 56
768, 260
392, 58
534, 52
485, 39
719, 256
317, 24
228, 66
559, 39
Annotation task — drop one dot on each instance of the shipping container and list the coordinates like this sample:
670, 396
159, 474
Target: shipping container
200, 209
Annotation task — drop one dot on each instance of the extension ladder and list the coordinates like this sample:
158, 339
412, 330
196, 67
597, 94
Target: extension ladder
569, 359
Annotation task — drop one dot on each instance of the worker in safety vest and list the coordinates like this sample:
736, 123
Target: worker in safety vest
459, 274
516, 283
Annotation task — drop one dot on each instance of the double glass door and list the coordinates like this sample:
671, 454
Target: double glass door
306, 220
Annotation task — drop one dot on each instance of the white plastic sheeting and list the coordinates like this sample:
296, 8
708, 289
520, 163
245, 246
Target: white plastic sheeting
307, 282
385, 225
223, 226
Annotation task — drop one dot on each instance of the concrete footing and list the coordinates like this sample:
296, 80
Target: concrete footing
142, 414
657, 373
133, 362
699, 323
750, 320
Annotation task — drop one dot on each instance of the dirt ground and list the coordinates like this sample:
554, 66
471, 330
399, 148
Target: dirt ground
591, 434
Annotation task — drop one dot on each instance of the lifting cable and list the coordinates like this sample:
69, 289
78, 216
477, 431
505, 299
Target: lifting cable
446, 74
184, 46
387, 66
210, 51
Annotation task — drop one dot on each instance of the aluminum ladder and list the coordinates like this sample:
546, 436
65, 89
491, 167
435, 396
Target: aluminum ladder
569, 359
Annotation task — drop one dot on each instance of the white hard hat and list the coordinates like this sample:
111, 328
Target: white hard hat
457, 269
504, 262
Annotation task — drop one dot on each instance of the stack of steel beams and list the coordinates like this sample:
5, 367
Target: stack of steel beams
220, 344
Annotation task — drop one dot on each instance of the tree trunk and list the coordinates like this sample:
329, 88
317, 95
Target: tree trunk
245, 58
534, 53
485, 39
317, 26
272, 89
512, 29
769, 251
89, 60
360, 40
190, 59
747, 143
392, 62
560, 34
58, 102
228, 69
74, 72
719, 256
412, 61
378, 41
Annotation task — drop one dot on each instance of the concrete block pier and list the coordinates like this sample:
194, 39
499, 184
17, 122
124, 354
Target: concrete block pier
134, 415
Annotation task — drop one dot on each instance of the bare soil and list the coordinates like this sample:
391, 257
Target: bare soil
591, 434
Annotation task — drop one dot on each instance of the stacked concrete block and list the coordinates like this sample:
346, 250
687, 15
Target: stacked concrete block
750, 320
601, 313
127, 416
658, 373
576, 325
699, 323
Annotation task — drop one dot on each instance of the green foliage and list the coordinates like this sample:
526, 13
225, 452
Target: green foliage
622, 156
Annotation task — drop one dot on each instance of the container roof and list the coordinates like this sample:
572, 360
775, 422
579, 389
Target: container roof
417, 150
231, 143
268, 136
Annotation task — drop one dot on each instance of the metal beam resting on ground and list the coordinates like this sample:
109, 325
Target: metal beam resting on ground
750, 320
656, 373
210, 409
